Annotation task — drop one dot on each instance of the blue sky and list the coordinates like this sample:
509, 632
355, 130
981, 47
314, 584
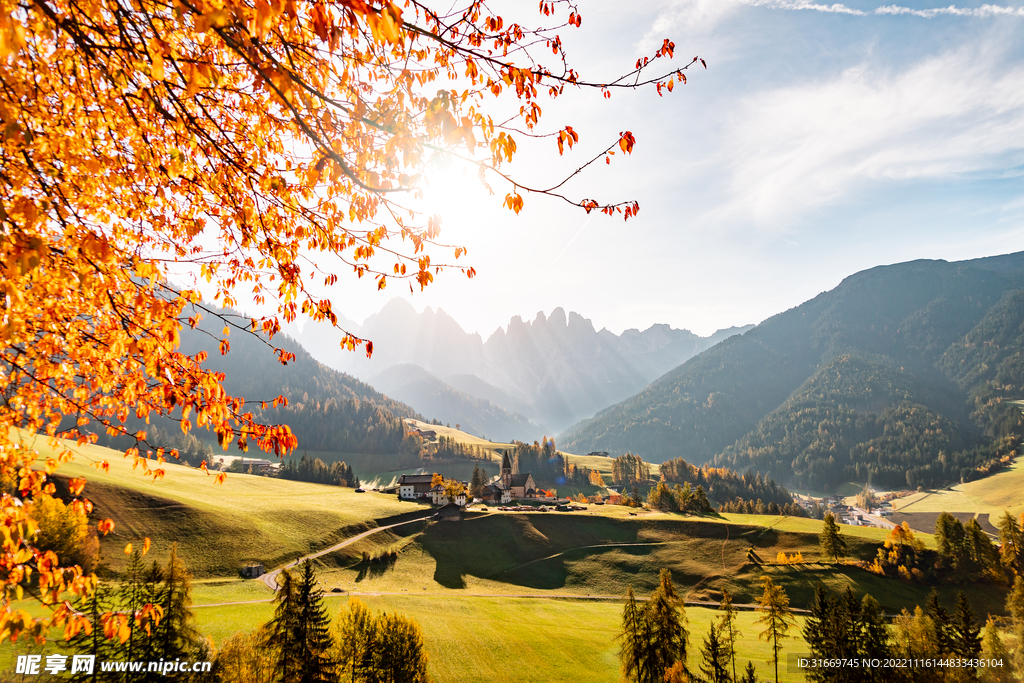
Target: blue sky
822, 139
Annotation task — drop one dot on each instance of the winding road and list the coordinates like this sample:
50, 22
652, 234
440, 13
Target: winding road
270, 578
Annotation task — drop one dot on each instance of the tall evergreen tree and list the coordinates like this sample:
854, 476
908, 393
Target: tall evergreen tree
282, 631
668, 625
748, 674
714, 657
654, 636
831, 540
176, 636
95, 643
636, 641
993, 650
1015, 606
378, 649
776, 616
965, 633
941, 622
312, 630
728, 627
1011, 541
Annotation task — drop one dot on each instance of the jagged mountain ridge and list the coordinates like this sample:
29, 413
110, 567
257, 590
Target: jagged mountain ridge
553, 370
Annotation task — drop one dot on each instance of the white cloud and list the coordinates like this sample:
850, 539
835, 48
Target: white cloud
983, 11
790, 149
836, 8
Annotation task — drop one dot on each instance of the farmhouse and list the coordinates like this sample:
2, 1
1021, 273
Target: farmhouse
437, 496
413, 486
258, 466
496, 492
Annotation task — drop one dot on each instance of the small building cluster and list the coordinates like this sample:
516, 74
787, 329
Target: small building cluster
500, 491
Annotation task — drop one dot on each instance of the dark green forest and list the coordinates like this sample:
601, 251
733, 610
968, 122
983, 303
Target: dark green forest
326, 409
900, 375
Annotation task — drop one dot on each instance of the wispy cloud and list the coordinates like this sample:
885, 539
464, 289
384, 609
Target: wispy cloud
955, 116
838, 8
835, 8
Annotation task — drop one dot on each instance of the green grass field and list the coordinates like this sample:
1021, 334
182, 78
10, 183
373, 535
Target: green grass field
498, 595
219, 527
505, 639
990, 497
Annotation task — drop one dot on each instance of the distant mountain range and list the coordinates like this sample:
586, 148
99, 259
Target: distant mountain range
526, 380
901, 375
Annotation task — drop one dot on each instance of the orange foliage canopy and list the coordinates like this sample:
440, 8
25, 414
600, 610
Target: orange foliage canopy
235, 139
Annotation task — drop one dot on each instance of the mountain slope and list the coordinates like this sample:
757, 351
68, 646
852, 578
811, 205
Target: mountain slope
552, 370
327, 410
432, 396
868, 365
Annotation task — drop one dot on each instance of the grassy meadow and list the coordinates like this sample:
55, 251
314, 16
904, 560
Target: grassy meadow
989, 497
500, 596
219, 528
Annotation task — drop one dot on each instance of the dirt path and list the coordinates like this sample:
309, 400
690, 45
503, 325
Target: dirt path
270, 578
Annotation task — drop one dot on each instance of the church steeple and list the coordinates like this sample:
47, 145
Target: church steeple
506, 469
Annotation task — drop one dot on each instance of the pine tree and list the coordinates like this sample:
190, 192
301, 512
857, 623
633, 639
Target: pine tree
993, 650
636, 641
355, 638
282, 631
831, 541
95, 643
728, 628
748, 674
941, 623
668, 626
176, 635
965, 633
378, 649
777, 618
1015, 606
1011, 538
654, 636
132, 595
715, 657
312, 630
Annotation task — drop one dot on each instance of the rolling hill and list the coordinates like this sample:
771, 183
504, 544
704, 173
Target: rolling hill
900, 375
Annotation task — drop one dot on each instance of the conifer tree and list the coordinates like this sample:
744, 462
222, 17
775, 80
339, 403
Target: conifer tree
355, 636
728, 628
654, 636
282, 631
1015, 606
831, 541
993, 650
636, 641
965, 633
176, 634
941, 623
777, 618
748, 674
313, 630
378, 649
95, 643
668, 625
715, 657
1011, 540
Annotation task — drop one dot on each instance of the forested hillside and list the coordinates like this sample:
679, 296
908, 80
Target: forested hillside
900, 374
327, 410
